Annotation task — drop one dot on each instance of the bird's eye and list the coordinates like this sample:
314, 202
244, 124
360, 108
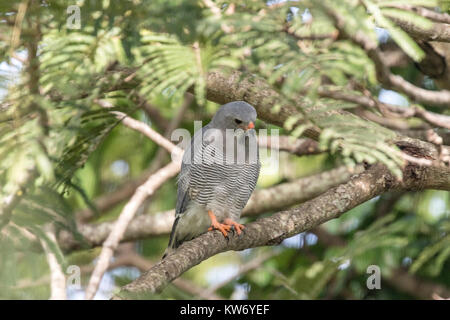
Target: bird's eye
237, 121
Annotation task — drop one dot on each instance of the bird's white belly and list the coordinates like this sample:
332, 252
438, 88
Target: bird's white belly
194, 221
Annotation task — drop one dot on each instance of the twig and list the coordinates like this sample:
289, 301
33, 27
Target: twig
427, 13
15, 37
141, 194
418, 161
127, 214
142, 128
14, 198
57, 277
126, 190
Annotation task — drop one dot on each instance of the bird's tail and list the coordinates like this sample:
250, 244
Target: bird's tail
173, 243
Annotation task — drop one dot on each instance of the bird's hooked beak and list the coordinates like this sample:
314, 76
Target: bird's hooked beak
250, 125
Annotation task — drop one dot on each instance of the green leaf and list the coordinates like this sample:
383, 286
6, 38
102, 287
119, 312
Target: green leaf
400, 37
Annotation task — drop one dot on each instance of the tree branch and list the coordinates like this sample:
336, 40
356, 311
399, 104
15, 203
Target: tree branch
10, 201
267, 231
438, 32
426, 13
57, 277
223, 88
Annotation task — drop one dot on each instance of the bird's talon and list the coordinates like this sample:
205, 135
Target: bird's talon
237, 226
221, 227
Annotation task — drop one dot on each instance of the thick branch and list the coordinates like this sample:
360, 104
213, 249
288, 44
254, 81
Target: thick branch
223, 88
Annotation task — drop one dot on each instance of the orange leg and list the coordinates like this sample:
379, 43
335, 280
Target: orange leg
215, 225
236, 225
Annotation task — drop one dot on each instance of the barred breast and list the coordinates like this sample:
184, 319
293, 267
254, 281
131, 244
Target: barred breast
218, 182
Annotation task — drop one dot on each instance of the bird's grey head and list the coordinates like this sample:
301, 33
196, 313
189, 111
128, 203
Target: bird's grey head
235, 115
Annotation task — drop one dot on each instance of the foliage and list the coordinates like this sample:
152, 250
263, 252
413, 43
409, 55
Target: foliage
52, 125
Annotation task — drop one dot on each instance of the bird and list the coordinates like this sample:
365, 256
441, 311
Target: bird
219, 171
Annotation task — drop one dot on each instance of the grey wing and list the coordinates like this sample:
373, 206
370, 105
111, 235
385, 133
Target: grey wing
188, 182
183, 200
248, 178
183, 185
182, 195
